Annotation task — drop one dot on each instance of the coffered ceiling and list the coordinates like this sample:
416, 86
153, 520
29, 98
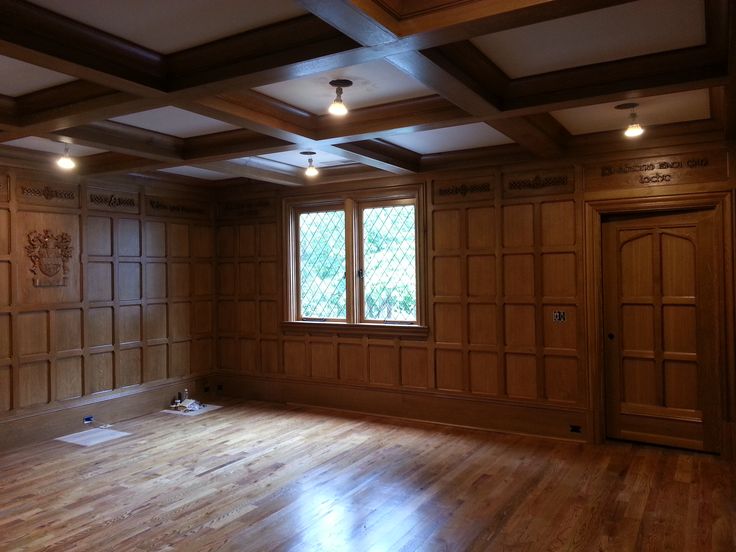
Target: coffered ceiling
225, 91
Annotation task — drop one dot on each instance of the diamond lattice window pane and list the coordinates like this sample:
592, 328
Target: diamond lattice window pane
322, 265
389, 264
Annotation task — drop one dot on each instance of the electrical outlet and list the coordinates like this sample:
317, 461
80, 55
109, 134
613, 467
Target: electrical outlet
88, 419
206, 388
219, 387
576, 429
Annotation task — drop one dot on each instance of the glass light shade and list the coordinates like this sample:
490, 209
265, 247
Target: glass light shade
65, 162
633, 130
311, 170
337, 108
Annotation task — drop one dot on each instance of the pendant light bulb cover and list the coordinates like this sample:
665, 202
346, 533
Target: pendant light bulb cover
65, 161
634, 129
311, 170
338, 107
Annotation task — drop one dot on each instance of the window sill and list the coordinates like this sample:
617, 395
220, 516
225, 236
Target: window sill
373, 330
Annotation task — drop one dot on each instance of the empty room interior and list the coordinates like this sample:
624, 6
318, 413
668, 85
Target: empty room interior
367, 275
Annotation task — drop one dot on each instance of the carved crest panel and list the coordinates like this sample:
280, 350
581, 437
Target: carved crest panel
49, 254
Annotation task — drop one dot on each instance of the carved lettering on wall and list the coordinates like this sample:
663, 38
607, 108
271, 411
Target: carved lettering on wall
256, 208
686, 168
47, 194
167, 207
459, 191
4, 187
106, 200
49, 254
535, 183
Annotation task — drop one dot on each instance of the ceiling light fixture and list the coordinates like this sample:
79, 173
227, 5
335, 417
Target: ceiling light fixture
311, 170
634, 129
65, 161
337, 107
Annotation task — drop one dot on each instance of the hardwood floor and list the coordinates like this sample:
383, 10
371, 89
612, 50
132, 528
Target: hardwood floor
255, 476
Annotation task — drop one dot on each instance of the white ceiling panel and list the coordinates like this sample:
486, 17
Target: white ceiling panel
374, 83
44, 144
175, 122
18, 78
476, 135
296, 159
628, 30
167, 26
654, 110
196, 172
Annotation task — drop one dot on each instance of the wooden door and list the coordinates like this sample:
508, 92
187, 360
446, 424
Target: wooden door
661, 328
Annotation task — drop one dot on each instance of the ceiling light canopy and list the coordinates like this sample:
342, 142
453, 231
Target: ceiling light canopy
337, 107
634, 129
65, 161
311, 171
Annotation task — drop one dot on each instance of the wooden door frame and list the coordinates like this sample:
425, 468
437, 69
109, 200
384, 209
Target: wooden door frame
721, 203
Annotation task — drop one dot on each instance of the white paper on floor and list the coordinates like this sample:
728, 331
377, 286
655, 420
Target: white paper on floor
92, 437
208, 408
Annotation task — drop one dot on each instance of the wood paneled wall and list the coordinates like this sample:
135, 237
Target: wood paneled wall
509, 307
137, 309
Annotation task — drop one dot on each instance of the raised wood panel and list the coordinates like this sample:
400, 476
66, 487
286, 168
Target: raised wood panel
323, 360
4, 232
383, 365
69, 377
351, 362
156, 321
5, 289
33, 383
227, 353
414, 367
682, 386
561, 378
521, 376
268, 278
481, 275
268, 239
679, 328
202, 276
558, 223
130, 323
481, 228
483, 372
68, 329
446, 230
637, 265
559, 277
678, 266
226, 241
247, 278
129, 278
99, 281
129, 238
269, 316
178, 235
226, 316
295, 358
247, 240
98, 374
269, 356
519, 325
518, 225
155, 239
448, 322
201, 356
154, 368
449, 370
129, 370
448, 276
6, 388
640, 381
6, 348
33, 333
180, 359
249, 355
637, 327
247, 318
202, 317
518, 275
482, 324
559, 333
202, 238
100, 326
226, 279
179, 275
156, 281
180, 320
99, 236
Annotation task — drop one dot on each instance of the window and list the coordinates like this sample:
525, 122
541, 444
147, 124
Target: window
354, 260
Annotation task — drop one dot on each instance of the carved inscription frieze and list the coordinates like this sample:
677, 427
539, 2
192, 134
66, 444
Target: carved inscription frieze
47, 194
686, 168
49, 254
106, 200
459, 191
167, 207
535, 183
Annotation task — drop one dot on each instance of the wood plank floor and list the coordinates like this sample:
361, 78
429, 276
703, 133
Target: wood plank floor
255, 476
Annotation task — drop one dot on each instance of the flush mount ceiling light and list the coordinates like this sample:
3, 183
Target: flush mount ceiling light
65, 161
311, 170
337, 107
634, 129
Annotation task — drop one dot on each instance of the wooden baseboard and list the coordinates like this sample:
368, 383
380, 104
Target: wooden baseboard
458, 411
26, 428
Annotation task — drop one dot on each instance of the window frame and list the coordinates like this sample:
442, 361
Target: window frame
353, 204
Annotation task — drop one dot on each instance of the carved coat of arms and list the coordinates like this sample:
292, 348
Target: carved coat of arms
49, 254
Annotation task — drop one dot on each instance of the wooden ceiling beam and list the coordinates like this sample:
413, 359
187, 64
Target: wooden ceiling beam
117, 163
293, 178
350, 20
540, 134
381, 155
228, 145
